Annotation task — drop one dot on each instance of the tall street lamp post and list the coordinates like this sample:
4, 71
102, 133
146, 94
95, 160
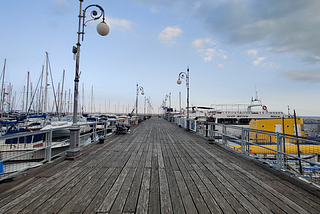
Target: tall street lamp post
142, 93
168, 96
103, 30
185, 75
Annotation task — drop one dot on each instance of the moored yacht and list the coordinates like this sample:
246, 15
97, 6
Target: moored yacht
62, 128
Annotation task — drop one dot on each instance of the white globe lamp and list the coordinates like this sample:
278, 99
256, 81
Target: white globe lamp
103, 29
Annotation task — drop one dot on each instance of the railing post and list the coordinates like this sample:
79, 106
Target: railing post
49, 145
243, 140
193, 125
105, 128
213, 127
94, 132
211, 132
207, 129
279, 151
224, 134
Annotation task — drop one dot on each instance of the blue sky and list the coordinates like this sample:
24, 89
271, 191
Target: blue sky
233, 48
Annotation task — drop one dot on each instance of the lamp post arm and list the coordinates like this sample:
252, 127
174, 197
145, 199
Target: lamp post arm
141, 89
142, 92
94, 15
185, 75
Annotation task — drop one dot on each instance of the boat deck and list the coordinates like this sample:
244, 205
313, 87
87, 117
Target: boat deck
158, 168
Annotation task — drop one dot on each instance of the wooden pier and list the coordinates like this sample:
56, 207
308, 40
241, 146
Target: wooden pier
158, 168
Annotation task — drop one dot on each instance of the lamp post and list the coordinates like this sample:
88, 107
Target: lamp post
185, 75
142, 93
168, 96
145, 105
103, 30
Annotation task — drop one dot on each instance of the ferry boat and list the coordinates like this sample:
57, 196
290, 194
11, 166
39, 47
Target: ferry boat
242, 114
233, 114
283, 125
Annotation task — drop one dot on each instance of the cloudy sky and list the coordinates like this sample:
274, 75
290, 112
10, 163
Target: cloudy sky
233, 48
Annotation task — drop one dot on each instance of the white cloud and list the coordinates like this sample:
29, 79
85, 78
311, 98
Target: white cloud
120, 24
204, 46
210, 51
207, 58
252, 52
209, 54
220, 65
259, 60
201, 42
270, 65
169, 33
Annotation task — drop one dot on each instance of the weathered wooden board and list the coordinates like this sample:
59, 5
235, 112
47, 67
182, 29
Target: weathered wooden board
158, 168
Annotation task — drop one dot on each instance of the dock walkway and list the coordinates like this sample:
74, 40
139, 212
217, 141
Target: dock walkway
158, 168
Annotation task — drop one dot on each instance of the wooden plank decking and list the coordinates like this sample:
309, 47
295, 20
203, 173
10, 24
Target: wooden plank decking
158, 168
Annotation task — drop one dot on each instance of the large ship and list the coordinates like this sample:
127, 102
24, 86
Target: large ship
242, 114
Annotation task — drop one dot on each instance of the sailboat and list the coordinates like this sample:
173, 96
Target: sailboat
61, 129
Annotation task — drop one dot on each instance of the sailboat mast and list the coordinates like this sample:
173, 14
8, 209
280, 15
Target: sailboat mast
27, 93
14, 102
65, 102
58, 104
61, 102
69, 100
41, 94
2, 87
23, 94
46, 86
91, 99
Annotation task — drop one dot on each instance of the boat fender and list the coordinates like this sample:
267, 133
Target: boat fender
264, 107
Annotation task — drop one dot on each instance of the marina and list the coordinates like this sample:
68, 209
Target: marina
158, 168
207, 148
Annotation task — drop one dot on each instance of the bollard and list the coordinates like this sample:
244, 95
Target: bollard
211, 141
101, 140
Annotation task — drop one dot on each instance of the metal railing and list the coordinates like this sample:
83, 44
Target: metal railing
19, 152
22, 151
296, 155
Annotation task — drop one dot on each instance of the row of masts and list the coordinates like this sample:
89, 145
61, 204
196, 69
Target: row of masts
36, 101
